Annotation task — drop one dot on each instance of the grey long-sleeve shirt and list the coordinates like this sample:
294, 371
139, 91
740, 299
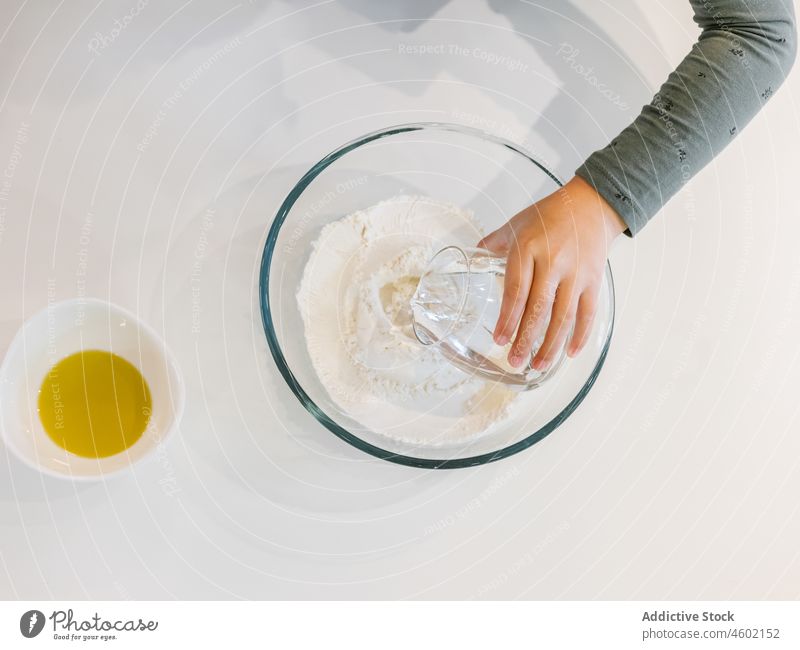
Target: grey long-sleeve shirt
743, 54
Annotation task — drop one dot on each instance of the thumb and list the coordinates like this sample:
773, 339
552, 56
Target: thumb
498, 241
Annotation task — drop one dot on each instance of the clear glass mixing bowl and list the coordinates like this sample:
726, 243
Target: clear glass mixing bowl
494, 179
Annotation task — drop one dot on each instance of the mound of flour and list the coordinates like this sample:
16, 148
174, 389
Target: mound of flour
354, 300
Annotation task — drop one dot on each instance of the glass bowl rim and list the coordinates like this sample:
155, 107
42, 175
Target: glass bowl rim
294, 384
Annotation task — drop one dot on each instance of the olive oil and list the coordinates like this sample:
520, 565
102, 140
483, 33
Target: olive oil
94, 404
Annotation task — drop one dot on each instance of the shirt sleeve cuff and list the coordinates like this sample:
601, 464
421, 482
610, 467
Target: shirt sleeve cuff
594, 172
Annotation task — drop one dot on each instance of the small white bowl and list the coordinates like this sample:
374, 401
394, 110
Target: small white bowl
59, 330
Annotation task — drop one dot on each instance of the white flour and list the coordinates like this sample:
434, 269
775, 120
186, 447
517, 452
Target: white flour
354, 302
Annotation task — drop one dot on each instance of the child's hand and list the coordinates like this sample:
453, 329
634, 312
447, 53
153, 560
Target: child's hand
557, 250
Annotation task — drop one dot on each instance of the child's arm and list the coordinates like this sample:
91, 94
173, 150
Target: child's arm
557, 248
744, 53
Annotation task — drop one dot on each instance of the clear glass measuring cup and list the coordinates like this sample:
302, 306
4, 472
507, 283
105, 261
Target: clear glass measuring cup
456, 306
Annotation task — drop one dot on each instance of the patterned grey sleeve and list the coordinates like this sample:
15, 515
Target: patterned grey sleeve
744, 52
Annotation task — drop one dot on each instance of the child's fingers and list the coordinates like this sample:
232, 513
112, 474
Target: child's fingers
537, 307
497, 241
587, 308
516, 286
561, 321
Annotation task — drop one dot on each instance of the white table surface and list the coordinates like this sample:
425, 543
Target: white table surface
676, 478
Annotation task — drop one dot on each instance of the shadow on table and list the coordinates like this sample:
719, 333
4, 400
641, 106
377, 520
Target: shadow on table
600, 88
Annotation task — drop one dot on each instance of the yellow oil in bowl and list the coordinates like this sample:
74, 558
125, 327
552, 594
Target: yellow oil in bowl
94, 404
